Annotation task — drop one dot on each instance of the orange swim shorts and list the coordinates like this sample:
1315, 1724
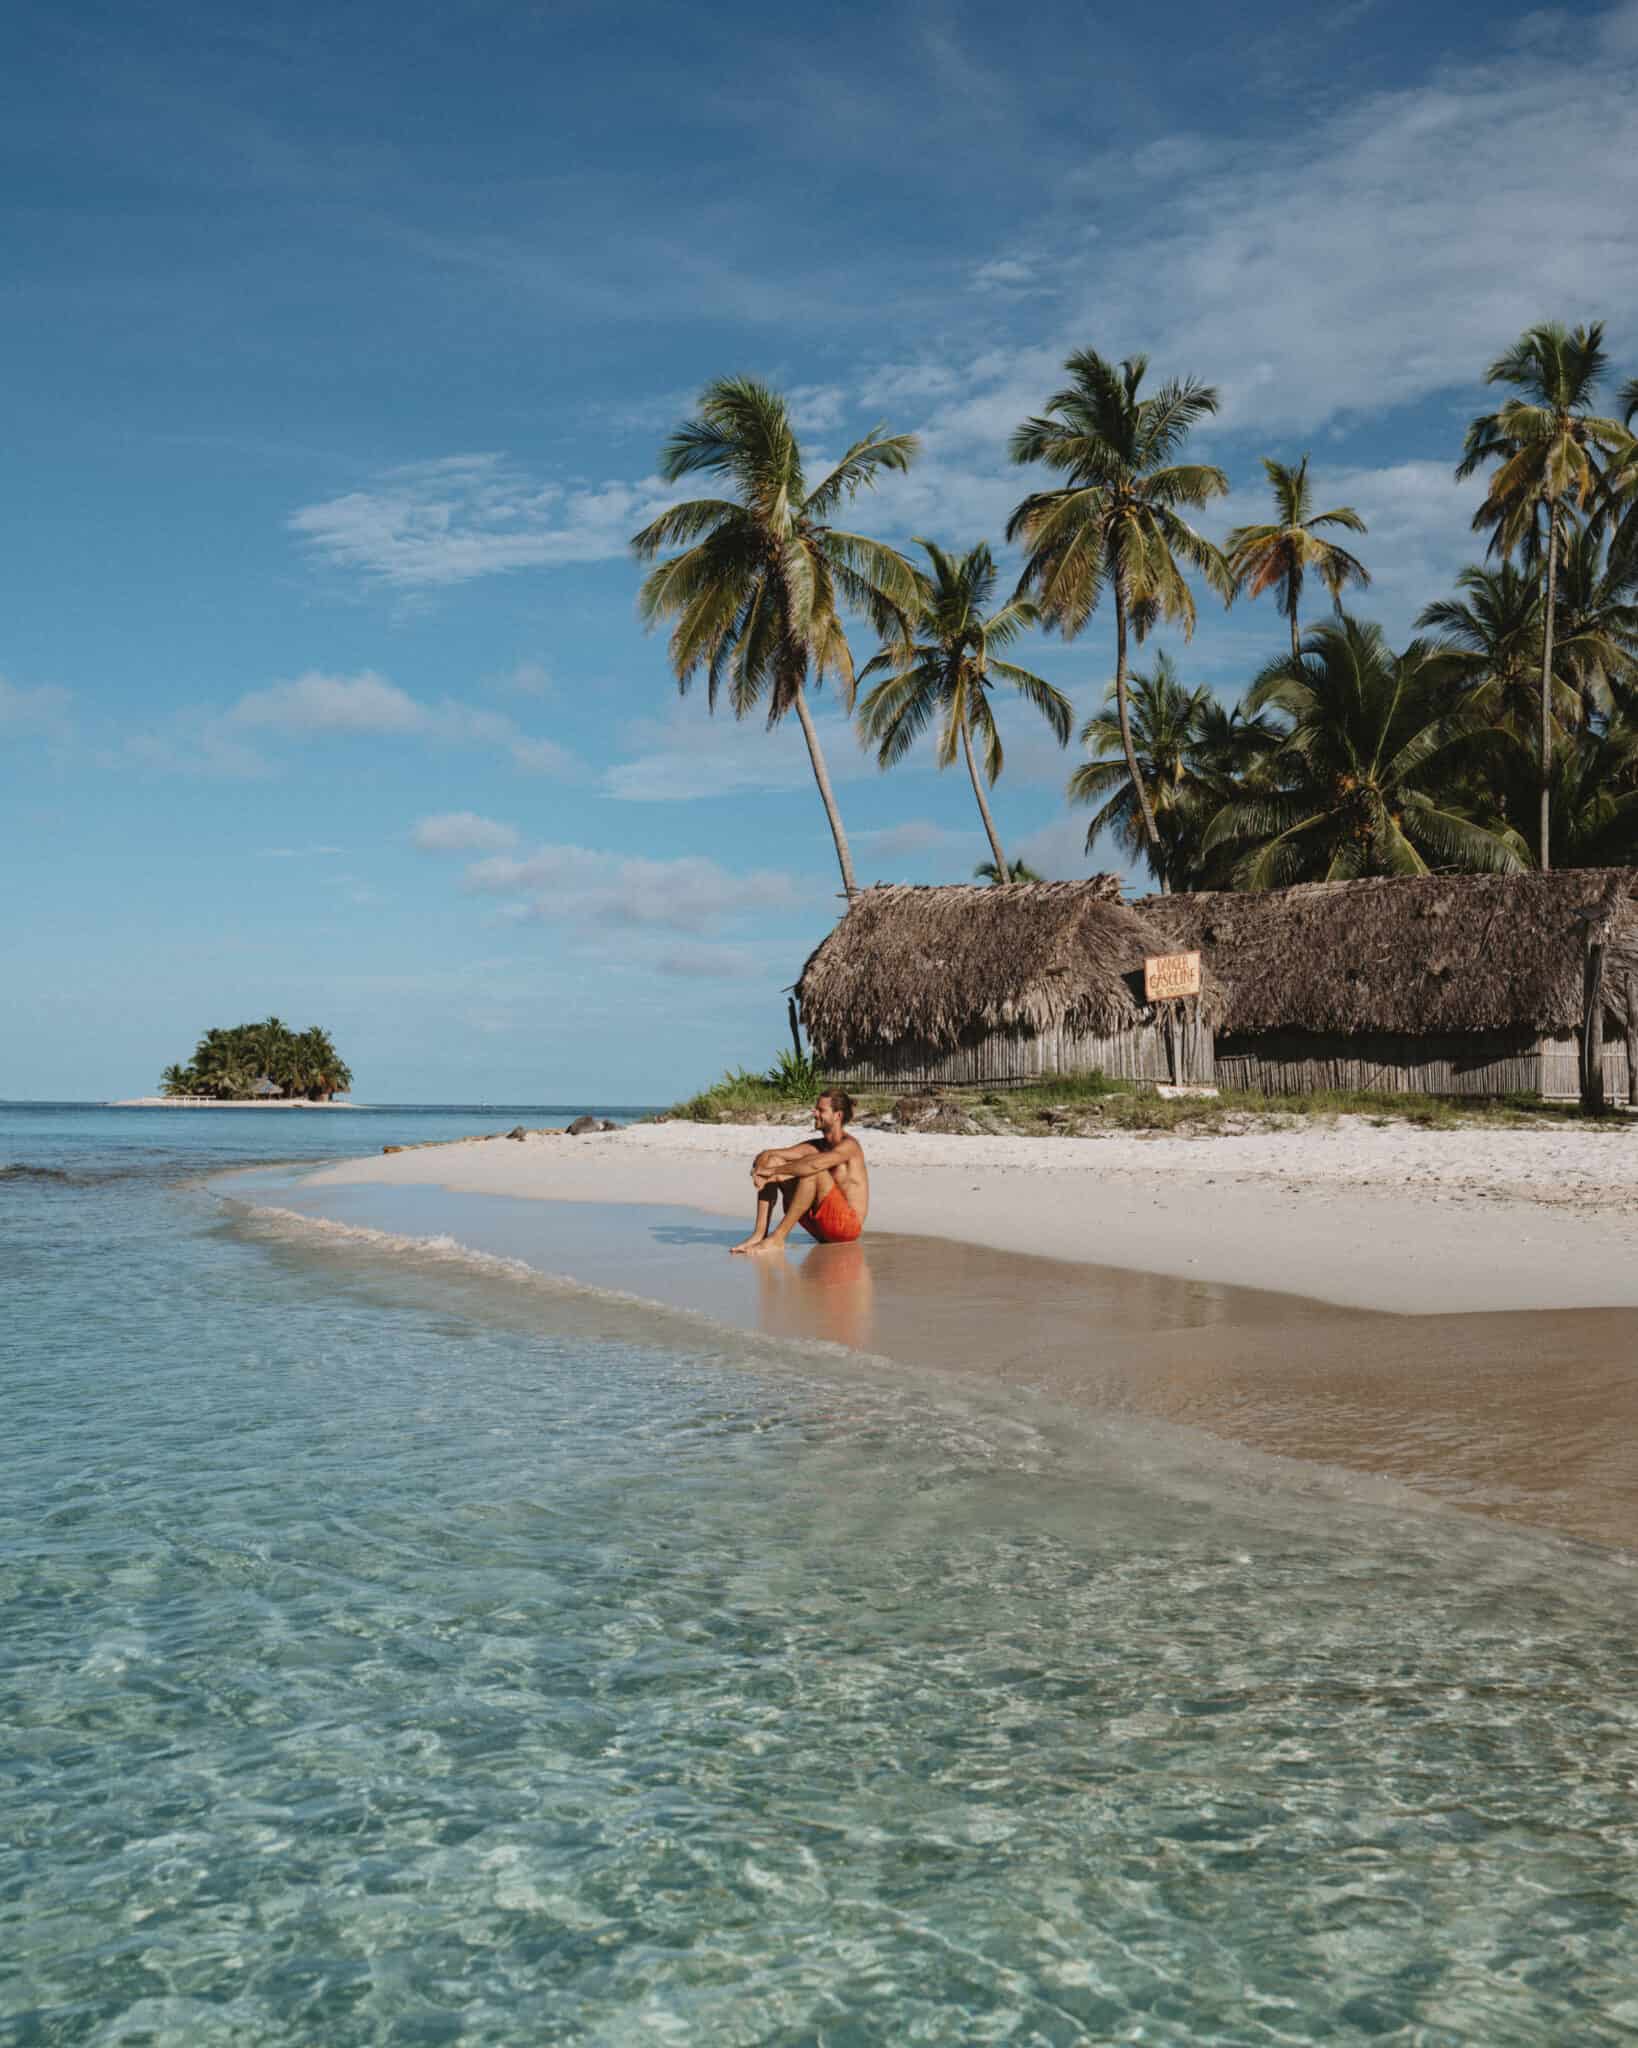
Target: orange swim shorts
834, 1220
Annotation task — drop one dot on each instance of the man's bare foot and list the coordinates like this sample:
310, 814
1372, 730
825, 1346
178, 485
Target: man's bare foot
746, 1244
765, 1244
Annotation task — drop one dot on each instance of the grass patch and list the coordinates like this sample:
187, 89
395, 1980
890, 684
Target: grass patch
744, 1097
1095, 1102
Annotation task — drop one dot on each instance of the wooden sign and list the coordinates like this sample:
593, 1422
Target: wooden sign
1169, 975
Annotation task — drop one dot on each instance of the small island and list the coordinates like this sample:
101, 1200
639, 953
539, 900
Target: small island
260, 1063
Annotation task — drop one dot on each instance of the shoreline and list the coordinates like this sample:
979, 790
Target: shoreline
1449, 1379
1393, 1219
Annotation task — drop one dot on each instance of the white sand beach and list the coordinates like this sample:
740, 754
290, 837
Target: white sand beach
1456, 1310
1394, 1218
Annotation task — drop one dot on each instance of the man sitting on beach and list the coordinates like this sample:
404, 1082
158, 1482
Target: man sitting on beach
823, 1183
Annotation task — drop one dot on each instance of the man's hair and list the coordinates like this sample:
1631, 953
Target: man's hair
841, 1102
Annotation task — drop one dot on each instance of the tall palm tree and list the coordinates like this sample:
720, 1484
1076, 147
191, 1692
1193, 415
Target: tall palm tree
1551, 451
1281, 555
756, 591
945, 669
1490, 642
1115, 519
1620, 510
1015, 871
1192, 758
1355, 791
1597, 637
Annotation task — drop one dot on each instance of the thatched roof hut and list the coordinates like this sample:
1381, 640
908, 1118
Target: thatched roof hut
1452, 983
971, 983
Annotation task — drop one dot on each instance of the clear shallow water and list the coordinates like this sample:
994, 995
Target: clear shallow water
390, 1654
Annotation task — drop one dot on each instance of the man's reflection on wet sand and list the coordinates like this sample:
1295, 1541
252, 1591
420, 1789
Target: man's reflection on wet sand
829, 1293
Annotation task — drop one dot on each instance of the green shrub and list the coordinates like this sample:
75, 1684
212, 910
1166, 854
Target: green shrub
794, 1076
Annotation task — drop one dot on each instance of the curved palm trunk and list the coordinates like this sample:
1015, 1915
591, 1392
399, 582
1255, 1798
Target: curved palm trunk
1547, 690
827, 796
1002, 871
1296, 636
1150, 831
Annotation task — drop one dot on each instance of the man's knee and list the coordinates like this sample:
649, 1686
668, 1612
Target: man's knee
762, 1161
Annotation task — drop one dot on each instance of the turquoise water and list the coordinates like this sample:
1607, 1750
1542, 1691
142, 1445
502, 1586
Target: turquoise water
395, 1654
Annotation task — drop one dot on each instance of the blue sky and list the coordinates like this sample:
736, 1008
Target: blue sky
338, 348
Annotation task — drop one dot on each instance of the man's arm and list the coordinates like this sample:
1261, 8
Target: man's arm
804, 1161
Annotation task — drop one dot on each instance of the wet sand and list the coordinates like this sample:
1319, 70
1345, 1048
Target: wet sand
1527, 1416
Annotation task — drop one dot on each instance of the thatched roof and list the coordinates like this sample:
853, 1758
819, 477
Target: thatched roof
940, 966
1424, 955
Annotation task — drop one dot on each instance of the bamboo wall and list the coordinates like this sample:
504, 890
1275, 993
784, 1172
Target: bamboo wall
1495, 1063
1156, 1051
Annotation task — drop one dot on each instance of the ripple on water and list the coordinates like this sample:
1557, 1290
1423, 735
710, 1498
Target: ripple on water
376, 1671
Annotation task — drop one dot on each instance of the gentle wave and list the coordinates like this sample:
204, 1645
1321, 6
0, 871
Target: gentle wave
1016, 1424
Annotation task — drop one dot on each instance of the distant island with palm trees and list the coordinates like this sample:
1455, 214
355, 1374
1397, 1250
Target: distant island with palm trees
253, 1064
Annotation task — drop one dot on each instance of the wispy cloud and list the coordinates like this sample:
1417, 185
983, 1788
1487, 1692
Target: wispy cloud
42, 710
578, 885
316, 703
527, 679
916, 835
434, 524
462, 832
321, 706
197, 748
1014, 275
690, 755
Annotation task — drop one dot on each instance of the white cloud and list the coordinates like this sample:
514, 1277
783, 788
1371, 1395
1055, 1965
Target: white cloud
1015, 275
462, 832
528, 679
902, 383
815, 408
434, 524
367, 705
543, 757
43, 709
1373, 259
197, 748
1421, 532
691, 754
580, 885
916, 835
315, 703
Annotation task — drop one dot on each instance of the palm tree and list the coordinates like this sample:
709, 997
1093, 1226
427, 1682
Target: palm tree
1116, 520
178, 1080
1016, 871
946, 667
1352, 794
1597, 620
1490, 641
1549, 449
756, 591
318, 1068
1263, 557
1192, 756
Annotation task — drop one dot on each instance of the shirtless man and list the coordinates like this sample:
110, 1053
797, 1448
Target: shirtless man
823, 1183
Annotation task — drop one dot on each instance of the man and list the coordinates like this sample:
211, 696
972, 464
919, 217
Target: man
823, 1183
